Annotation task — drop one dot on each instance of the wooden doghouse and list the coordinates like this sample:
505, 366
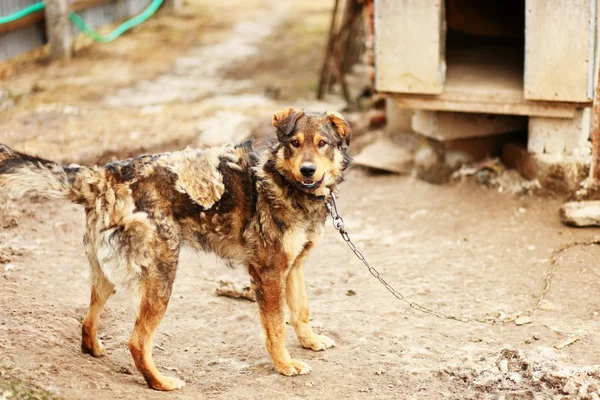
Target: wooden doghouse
472, 68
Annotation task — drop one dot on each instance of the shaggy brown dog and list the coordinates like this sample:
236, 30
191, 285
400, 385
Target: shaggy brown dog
263, 210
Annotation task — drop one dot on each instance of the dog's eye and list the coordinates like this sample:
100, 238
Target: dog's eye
295, 143
322, 143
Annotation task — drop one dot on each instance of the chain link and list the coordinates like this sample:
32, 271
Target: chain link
338, 224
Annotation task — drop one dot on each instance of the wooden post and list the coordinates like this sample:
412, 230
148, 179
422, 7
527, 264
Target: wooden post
58, 28
174, 4
326, 69
595, 167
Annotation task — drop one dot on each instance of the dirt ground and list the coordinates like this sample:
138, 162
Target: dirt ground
183, 79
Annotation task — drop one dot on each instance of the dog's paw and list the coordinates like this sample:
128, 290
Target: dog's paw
295, 367
95, 350
318, 343
167, 383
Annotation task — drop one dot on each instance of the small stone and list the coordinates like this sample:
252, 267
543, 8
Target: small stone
380, 371
515, 377
565, 343
350, 292
583, 391
523, 320
309, 384
536, 337
124, 370
545, 305
569, 387
503, 365
581, 213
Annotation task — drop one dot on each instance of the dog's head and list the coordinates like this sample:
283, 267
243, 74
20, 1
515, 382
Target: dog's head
313, 148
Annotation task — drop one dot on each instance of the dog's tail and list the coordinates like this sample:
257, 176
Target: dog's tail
22, 174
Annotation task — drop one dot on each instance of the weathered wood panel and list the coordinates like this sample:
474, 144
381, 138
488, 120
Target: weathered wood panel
409, 46
97, 17
137, 6
559, 49
21, 40
486, 80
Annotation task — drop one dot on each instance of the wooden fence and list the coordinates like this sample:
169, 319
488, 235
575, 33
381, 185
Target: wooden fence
29, 33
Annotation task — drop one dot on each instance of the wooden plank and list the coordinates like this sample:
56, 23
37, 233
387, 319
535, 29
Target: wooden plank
38, 16
530, 108
409, 42
595, 164
20, 42
31, 19
487, 80
80, 5
559, 41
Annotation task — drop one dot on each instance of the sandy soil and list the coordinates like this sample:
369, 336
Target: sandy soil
459, 249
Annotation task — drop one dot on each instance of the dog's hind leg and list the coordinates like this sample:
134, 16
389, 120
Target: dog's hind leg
90, 343
156, 292
295, 293
269, 289
101, 291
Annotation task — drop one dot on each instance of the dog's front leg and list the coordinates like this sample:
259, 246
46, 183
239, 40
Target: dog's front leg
269, 289
295, 294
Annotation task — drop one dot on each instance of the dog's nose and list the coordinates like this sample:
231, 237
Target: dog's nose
308, 169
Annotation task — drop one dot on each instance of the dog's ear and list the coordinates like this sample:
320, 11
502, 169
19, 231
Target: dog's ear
341, 126
285, 120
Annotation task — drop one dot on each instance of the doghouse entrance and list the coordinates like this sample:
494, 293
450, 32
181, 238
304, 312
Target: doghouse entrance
484, 48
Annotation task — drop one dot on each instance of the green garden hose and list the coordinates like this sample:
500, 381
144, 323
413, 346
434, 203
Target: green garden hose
125, 26
23, 13
80, 23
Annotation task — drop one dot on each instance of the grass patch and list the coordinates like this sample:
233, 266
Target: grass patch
16, 389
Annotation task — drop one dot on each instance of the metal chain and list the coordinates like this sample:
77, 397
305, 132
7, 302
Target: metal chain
338, 224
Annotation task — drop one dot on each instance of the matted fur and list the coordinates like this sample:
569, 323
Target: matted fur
263, 210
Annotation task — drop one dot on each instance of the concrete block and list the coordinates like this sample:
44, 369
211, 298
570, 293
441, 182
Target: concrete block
436, 160
446, 126
399, 120
556, 173
581, 213
560, 136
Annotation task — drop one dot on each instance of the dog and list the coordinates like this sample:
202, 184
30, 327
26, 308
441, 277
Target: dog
261, 209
